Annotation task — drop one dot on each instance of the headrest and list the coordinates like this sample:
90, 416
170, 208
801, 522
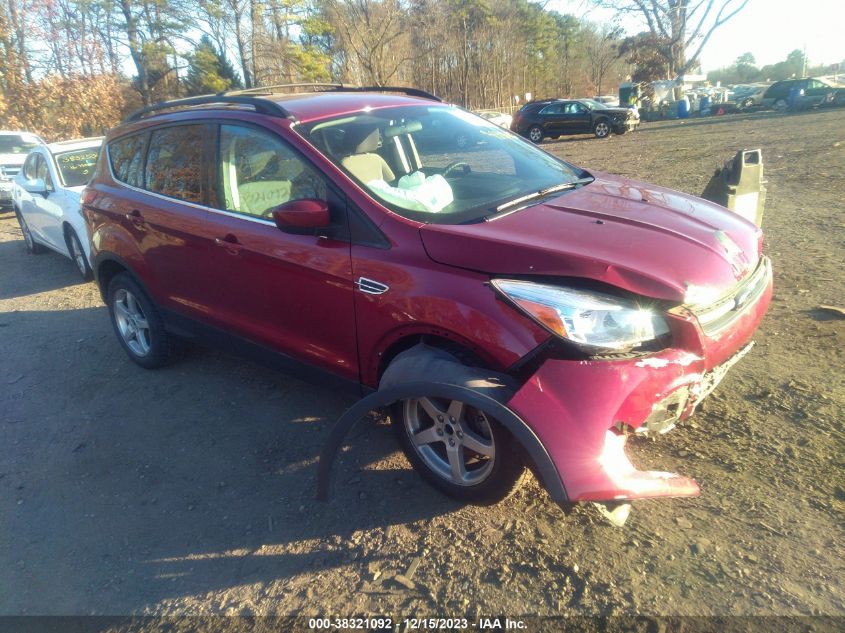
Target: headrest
362, 139
258, 161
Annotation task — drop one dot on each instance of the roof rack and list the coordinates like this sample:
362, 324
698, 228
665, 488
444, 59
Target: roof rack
249, 97
269, 89
411, 92
262, 106
337, 87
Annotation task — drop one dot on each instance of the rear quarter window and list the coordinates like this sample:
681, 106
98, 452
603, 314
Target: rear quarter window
126, 156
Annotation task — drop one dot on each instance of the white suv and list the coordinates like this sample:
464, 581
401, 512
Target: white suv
46, 199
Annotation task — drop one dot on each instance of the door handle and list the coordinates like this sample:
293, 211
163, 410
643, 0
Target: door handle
135, 217
230, 243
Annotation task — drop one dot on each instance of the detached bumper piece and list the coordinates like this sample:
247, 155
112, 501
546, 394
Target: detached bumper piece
580, 411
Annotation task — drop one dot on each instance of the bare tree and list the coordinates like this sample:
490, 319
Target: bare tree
374, 37
682, 26
601, 44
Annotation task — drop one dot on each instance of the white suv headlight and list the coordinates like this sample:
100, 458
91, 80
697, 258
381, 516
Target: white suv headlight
584, 317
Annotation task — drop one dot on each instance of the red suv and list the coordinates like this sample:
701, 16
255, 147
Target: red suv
314, 231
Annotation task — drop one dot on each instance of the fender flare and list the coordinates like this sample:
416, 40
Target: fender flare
384, 397
108, 256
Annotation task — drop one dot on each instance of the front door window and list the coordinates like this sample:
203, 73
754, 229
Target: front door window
258, 172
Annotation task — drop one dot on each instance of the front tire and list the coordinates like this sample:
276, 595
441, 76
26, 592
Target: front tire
460, 450
602, 128
535, 134
32, 247
77, 254
780, 105
137, 323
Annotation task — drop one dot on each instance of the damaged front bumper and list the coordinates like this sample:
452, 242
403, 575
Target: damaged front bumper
582, 411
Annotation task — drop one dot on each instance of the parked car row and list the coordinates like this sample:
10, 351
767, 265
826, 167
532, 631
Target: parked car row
536, 313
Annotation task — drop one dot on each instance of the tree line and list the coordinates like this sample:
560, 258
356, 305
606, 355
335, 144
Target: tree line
75, 67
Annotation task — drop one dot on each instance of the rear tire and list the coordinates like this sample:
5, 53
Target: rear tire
458, 449
77, 254
137, 323
535, 134
32, 247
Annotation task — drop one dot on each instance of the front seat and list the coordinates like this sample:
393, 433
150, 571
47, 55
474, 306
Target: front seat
362, 162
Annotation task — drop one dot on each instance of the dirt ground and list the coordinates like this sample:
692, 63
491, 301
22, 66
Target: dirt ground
190, 490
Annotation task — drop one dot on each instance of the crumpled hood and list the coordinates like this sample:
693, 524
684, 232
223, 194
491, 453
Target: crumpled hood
645, 239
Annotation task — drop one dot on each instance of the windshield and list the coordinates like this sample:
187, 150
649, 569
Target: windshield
76, 167
436, 164
18, 143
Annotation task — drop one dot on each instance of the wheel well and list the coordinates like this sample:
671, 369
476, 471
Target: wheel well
462, 352
105, 273
66, 229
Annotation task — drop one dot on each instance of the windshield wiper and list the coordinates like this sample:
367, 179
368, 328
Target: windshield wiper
538, 194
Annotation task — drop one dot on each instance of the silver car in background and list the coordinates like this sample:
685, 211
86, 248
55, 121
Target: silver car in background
14, 148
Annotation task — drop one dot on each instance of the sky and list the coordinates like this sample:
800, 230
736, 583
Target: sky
768, 29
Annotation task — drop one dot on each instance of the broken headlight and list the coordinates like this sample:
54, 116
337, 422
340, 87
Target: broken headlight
587, 318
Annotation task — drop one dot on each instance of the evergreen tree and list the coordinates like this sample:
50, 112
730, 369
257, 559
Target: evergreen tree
209, 70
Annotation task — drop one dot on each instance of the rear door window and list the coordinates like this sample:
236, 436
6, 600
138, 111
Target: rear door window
175, 162
555, 108
126, 156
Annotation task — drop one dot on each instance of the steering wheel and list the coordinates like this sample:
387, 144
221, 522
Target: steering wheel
453, 166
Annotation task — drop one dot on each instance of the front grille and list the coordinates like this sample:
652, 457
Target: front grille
717, 316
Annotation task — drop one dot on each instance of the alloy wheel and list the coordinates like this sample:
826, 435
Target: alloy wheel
132, 322
602, 129
454, 440
535, 135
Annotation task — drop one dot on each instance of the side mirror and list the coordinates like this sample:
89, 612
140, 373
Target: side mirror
302, 217
36, 185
